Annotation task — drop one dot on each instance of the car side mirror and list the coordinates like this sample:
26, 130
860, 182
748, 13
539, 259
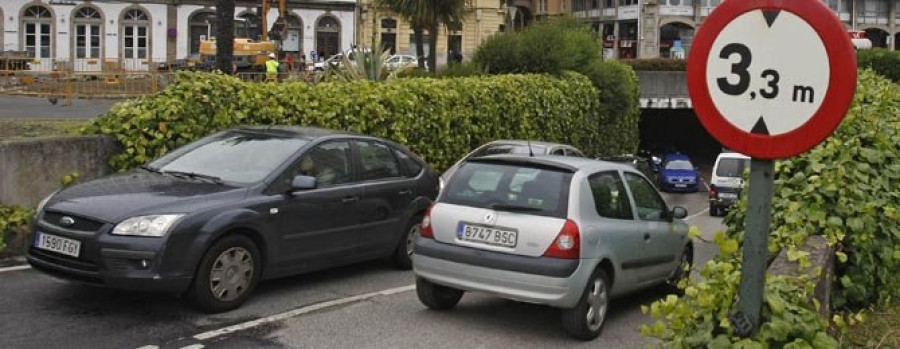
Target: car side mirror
679, 212
303, 183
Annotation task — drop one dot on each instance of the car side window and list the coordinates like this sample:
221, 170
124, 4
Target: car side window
610, 197
329, 163
413, 167
558, 151
650, 206
377, 160
574, 153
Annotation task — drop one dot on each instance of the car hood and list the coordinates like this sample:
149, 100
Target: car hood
115, 198
679, 173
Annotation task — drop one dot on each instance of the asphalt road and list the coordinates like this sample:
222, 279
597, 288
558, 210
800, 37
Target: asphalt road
33, 107
368, 305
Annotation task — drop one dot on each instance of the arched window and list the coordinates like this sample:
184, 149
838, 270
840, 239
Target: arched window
88, 24
328, 36
135, 36
37, 23
202, 25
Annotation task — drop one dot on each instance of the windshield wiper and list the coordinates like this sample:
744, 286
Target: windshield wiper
195, 175
515, 208
149, 169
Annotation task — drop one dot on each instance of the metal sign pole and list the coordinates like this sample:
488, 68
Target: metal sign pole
753, 270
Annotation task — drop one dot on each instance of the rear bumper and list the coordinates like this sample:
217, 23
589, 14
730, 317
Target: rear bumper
562, 292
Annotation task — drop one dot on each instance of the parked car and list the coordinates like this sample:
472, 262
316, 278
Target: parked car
333, 61
677, 173
212, 218
402, 62
566, 232
515, 147
727, 181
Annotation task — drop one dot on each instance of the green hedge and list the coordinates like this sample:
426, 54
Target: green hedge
12, 217
846, 189
440, 119
882, 61
657, 64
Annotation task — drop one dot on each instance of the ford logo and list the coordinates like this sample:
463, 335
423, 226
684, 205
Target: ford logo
67, 221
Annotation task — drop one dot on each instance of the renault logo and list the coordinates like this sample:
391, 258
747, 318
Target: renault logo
67, 221
489, 217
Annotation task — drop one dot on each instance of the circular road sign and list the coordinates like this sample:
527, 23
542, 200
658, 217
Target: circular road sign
771, 78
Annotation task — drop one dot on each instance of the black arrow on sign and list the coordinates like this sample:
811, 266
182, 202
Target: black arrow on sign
770, 16
760, 127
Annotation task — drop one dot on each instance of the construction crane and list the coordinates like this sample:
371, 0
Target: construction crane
249, 54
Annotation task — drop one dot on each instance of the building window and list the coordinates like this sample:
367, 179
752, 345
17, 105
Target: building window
388, 23
328, 36
37, 21
253, 24
88, 24
202, 26
135, 38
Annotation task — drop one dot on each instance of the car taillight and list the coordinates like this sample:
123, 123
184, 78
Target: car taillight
567, 243
425, 230
713, 193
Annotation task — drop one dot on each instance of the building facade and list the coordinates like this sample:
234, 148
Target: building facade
665, 28
100, 35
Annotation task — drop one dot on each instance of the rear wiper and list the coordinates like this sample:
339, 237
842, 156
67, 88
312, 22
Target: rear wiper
211, 178
514, 208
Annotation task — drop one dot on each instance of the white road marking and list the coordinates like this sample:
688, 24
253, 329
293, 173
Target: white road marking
193, 346
149, 347
299, 311
18, 267
698, 214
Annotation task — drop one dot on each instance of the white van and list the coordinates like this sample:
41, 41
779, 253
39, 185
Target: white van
727, 181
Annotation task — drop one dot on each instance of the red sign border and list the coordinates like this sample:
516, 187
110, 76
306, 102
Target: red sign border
841, 84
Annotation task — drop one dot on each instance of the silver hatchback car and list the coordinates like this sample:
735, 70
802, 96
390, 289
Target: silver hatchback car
566, 232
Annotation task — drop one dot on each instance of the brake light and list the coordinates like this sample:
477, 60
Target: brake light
425, 230
567, 243
713, 193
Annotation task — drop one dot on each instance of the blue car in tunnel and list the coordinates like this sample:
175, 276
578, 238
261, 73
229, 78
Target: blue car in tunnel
677, 173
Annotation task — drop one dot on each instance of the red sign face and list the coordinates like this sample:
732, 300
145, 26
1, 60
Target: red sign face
771, 78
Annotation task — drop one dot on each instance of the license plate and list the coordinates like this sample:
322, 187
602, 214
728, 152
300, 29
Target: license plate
728, 195
681, 186
58, 244
487, 235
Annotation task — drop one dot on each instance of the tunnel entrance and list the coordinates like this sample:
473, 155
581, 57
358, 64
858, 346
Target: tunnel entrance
665, 130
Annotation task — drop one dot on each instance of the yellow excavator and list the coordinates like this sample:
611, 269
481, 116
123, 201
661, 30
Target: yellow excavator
249, 54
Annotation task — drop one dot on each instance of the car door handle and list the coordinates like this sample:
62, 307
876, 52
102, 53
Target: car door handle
646, 236
350, 200
405, 192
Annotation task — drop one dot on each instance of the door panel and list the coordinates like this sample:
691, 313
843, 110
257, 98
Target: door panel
387, 196
135, 48
617, 228
87, 48
660, 241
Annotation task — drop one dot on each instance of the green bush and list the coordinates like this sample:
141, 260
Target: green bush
619, 91
882, 61
12, 217
464, 69
847, 189
440, 119
657, 64
551, 47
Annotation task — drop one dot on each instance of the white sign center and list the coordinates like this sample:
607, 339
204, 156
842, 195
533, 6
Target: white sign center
768, 73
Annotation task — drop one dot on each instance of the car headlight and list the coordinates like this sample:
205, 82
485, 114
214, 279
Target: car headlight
153, 226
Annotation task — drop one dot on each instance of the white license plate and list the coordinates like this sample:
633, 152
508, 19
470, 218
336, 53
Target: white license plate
487, 235
681, 186
58, 244
728, 195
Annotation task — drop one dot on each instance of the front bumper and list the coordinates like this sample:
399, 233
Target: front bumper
562, 292
681, 187
120, 262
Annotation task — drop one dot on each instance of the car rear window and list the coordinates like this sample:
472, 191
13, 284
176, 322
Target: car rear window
494, 149
510, 187
731, 167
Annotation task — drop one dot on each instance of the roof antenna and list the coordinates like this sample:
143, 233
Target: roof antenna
530, 153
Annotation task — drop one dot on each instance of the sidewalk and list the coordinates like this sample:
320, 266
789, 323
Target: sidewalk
35, 107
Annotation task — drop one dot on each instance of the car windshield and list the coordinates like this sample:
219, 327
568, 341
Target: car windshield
510, 149
679, 165
508, 187
731, 167
236, 157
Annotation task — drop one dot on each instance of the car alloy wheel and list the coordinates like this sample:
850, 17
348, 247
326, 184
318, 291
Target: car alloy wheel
411, 237
231, 274
598, 303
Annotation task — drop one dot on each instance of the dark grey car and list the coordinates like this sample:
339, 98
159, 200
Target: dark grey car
214, 217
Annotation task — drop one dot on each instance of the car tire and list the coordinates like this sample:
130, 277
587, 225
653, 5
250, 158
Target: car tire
713, 210
236, 259
437, 297
403, 253
671, 285
585, 321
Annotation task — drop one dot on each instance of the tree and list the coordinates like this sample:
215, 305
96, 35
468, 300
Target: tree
224, 35
427, 15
